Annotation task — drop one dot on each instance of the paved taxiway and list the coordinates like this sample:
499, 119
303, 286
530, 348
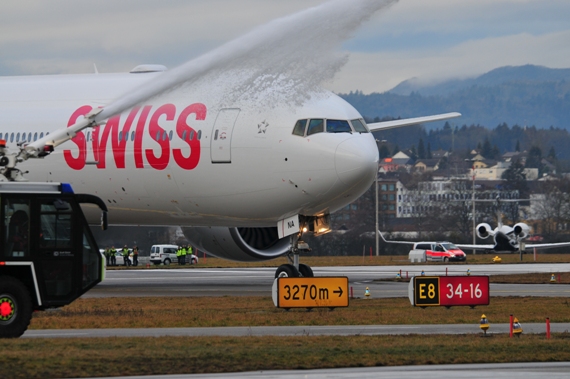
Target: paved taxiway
555, 370
258, 281
259, 331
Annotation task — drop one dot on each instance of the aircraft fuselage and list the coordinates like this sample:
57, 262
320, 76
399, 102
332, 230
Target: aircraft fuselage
185, 159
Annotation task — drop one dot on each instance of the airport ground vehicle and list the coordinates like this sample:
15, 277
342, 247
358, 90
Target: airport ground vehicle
166, 254
440, 251
48, 256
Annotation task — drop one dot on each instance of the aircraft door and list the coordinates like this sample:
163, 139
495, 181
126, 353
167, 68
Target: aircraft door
220, 146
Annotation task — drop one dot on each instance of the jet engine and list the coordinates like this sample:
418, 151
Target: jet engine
484, 230
521, 230
238, 244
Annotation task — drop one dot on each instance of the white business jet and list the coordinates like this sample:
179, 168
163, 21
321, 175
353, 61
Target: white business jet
243, 177
507, 238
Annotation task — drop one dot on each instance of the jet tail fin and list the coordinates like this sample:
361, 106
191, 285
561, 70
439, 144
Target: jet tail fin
384, 125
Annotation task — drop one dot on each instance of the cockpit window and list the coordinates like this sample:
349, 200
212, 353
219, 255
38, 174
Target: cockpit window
316, 126
359, 126
299, 129
338, 126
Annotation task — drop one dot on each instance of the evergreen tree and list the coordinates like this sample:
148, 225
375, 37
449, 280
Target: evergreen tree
495, 152
384, 152
487, 150
534, 158
414, 154
396, 150
515, 178
551, 154
518, 147
421, 149
428, 154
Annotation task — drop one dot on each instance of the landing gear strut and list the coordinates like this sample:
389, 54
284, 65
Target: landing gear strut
295, 269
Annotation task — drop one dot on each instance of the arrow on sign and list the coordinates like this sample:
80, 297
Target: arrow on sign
339, 291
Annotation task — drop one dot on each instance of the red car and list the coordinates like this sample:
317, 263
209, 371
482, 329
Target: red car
441, 251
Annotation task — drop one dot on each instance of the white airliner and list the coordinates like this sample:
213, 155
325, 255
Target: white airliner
244, 179
241, 168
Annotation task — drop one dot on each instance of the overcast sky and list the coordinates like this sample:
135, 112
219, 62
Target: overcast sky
430, 40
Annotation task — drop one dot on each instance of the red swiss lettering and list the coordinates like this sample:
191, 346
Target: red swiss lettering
159, 135
188, 135
139, 136
79, 162
158, 159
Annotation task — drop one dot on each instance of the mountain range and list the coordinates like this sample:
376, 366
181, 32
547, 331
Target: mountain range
516, 95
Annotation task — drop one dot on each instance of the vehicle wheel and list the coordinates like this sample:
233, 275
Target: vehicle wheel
286, 271
167, 262
306, 271
194, 261
445, 259
15, 308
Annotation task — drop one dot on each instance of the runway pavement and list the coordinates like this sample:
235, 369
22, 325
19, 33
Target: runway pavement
552, 370
329, 330
258, 281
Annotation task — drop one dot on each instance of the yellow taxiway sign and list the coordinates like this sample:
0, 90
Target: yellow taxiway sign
316, 292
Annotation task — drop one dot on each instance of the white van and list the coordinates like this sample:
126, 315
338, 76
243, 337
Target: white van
166, 254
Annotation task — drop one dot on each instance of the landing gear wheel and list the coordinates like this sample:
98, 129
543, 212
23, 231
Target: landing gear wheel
15, 308
305, 271
286, 271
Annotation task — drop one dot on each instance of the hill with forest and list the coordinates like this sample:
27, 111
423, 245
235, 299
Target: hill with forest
524, 96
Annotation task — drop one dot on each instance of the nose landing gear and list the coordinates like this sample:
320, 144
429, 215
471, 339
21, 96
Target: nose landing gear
294, 269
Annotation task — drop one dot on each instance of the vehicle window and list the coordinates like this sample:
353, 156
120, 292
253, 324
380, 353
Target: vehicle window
55, 224
299, 129
338, 126
316, 126
449, 246
90, 259
17, 227
359, 126
423, 246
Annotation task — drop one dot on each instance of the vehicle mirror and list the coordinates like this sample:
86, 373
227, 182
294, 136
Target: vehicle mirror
61, 205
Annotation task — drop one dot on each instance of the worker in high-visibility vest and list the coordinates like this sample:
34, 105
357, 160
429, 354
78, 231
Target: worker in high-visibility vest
126, 260
189, 252
182, 258
135, 256
112, 253
179, 254
108, 255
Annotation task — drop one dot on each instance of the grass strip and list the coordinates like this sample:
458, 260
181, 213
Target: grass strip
61, 358
355, 260
173, 312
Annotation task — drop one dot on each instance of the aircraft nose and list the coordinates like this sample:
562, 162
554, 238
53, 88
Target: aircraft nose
356, 159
